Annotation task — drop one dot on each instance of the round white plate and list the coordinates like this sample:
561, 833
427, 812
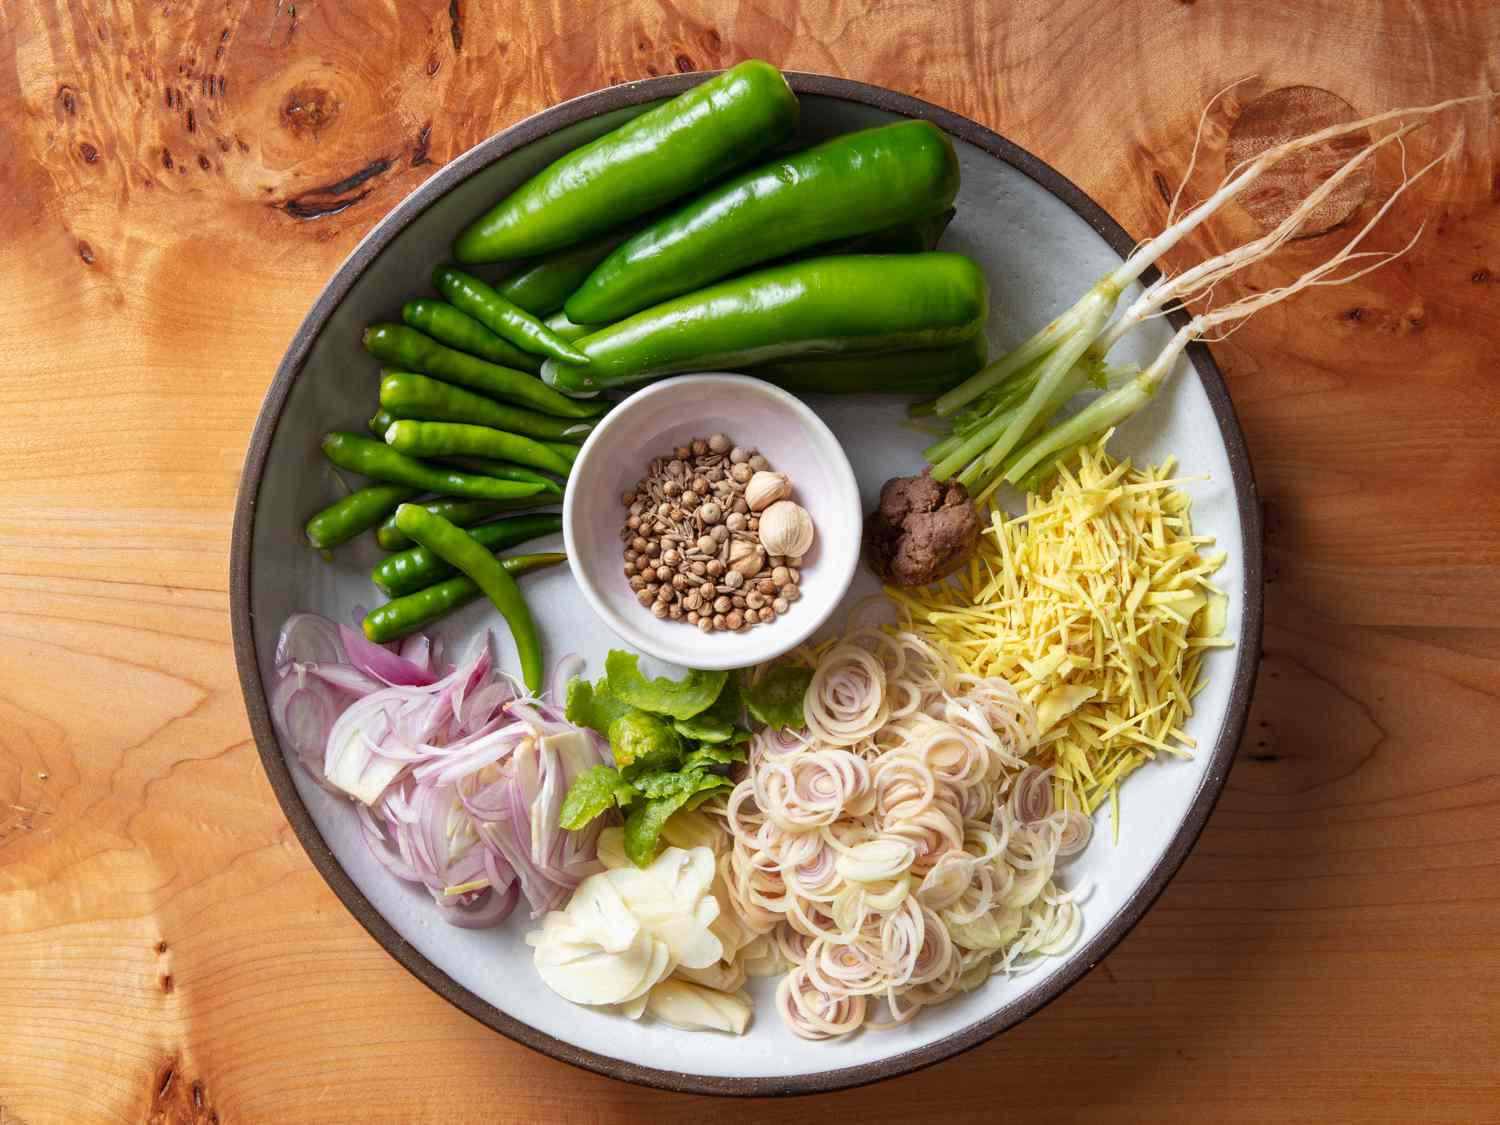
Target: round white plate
1041, 243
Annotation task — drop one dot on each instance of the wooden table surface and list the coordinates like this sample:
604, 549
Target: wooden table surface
180, 180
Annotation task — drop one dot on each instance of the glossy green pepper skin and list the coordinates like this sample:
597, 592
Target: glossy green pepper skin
461, 439
381, 421
458, 329
458, 549
406, 348
558, 322
850, 185
415, 569
821, 306
464, 513
479, 300
661, 155
407, 394
361, 510
417, 610
542, 287
504, 470
360, 454
924, 371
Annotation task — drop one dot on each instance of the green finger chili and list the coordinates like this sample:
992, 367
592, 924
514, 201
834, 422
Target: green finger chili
904, 238
464, 513
661, 155
503, 470
414, 611
456, 439
414, 569
381, 422
458, 548
360, 454
916, 371
542, 287
458, 329
821, 306
850, 185
559, 323
480, 301
361, 510
406, 348
406, 394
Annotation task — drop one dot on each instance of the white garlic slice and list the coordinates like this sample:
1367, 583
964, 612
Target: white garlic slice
692, 1007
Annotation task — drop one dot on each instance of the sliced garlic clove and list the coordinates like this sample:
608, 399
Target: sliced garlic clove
692, 1007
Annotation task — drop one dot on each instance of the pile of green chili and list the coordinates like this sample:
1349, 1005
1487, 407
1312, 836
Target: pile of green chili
692, 237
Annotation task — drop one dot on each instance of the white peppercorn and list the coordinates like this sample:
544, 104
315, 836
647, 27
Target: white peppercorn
722, 604
718, 443
738, 456
780, 605
734, 580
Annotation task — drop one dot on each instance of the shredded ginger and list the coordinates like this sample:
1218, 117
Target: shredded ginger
1097, 605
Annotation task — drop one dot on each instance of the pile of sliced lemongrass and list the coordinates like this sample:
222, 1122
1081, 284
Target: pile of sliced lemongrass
1097, 605
1000, 415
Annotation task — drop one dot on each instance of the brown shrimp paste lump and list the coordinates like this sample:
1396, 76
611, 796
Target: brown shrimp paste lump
922, 530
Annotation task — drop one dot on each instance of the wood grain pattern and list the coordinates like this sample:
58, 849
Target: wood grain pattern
178, 182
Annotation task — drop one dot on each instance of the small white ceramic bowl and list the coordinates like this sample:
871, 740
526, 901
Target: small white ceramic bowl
673, 412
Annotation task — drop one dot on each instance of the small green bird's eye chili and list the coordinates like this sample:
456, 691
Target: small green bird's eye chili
542, 287
464, 513
459, 549
417, 610
361, 510
406, 394
396, 345
360, 454
462, 439
448, 325
480, 301
411, 570
381, 422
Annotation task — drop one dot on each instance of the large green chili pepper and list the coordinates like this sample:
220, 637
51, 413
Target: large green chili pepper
916, 371
821, 306
542, 287
406, 394
464, 513
458, 329
480, 301
850, 185
903, 238
360, 454
361, 510
405, 615
460, 439
411, 570
457, 548
657, 157
406, 348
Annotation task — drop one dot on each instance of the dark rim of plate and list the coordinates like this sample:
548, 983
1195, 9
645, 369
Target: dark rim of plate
1218, 759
